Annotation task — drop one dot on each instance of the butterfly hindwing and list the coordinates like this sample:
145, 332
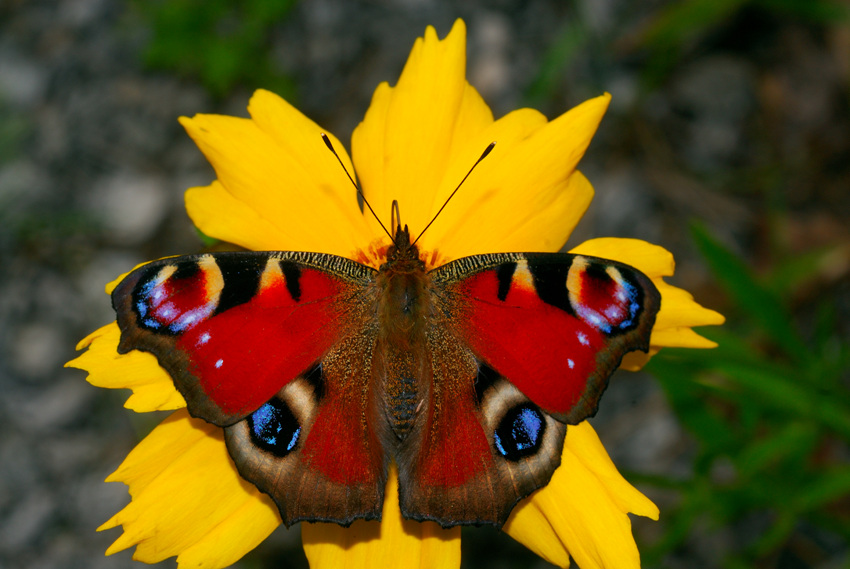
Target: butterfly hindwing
261, 344
312, 447
481, 446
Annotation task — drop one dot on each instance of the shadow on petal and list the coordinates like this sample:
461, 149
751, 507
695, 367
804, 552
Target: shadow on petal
583, 512
188, 499
393, 542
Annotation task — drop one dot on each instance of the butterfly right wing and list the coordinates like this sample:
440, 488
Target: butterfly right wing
522, 345
258, 343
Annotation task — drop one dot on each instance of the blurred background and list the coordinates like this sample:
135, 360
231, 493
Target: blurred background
727, 142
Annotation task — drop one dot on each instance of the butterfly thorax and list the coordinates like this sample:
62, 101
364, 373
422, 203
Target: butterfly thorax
404, 309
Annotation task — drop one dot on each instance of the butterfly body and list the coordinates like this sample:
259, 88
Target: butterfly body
323, 371
405, 313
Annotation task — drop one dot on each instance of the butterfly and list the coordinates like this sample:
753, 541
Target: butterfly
322, 371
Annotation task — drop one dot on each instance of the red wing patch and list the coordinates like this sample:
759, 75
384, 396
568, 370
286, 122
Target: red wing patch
453, 448
545, 352
341, 443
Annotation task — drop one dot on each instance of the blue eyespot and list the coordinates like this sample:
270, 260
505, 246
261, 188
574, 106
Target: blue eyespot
520, 432
274, 428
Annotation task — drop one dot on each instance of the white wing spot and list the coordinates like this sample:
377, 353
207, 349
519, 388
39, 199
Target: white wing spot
582, 338
205, 337
571, 363
218, 364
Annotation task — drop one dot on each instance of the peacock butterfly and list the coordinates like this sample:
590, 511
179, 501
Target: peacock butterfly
322, 370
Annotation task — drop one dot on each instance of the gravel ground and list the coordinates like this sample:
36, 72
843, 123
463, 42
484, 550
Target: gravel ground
93, 165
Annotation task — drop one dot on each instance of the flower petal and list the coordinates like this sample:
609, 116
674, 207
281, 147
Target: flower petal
679, 312
583, 511
527, 195
292, 193
412, 131
188, 499
242, 225
393, 542
152, 387
654, 261
410, 149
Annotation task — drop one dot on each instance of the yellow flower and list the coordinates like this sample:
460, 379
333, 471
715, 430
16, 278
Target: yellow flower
278, 188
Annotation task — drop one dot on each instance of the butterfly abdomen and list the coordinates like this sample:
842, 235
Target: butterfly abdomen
404, 308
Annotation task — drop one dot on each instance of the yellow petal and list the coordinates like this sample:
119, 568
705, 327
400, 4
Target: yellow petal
293, 194
543, 229
583, 511
152, 387
652, 260
242, 225
527, 195
678, 309
393, 542
188, 499
679, 312
411, 131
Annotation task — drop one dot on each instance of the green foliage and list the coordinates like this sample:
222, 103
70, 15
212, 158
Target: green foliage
570, 43
683, 24
679, 28
220, 42
13, 131
769, 409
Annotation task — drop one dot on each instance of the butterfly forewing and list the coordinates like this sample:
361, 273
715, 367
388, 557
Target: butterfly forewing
232, 328
555, 325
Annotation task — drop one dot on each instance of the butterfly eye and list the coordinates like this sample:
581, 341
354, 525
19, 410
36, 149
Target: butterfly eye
520, 432
274, 428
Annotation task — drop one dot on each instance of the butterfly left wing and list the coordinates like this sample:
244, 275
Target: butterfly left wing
538, 336
261, 344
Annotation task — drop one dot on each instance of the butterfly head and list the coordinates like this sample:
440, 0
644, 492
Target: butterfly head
402, 253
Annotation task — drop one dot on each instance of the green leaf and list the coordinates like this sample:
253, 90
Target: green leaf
206, 239
221, 42
761, 305
827, 487
785, 393
681, 21
559, 57
678, 24
687, 400
812, 11
796, 438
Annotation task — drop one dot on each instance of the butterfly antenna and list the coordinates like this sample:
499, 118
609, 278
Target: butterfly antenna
395, 215
356, 187
445, 203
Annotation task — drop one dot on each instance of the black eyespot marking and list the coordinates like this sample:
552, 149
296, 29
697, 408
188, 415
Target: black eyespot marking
505, 275
520, 432
292, 274
550, 282
274, 428
316, 379
486, 377
241, 277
